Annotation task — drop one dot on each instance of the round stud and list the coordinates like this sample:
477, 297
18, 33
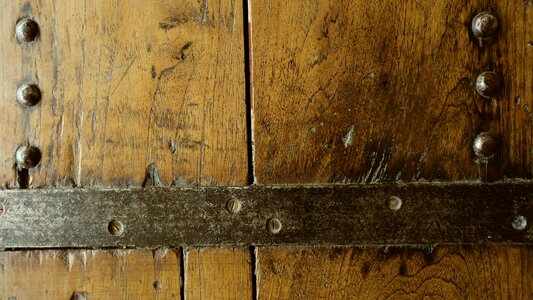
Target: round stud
274, 226
116, 228
488, 84
485, 25
29, 94
27, 156
485, 145
519, 223
27, 30
394, 203
233, 206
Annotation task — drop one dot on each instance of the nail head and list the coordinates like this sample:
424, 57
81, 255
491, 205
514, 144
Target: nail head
485, 25
485, 145
116, 228
394, 203
233, 206
27, 30
27, 156
274, 226
488, 84
29, 94
519, 223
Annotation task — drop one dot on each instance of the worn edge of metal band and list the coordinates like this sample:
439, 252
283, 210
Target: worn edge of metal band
338, 215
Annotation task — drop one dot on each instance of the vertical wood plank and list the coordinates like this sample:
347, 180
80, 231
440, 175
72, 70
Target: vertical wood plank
126, 84
359, 92
496, 272
219, 274
113, 274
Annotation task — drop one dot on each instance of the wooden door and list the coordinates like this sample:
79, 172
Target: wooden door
265, 92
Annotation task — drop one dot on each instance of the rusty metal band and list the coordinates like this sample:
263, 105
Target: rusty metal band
335, 215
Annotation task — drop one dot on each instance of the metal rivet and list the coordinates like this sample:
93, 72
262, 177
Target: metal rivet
115, 227
2, 209
27, 30
394, 203
488, 84
485, 25
29, 94
158, 285
79, 296
27, 156
485, 145
274, 225
233, 206
519, 223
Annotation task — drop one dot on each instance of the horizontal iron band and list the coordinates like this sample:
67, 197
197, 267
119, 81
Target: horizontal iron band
333, 215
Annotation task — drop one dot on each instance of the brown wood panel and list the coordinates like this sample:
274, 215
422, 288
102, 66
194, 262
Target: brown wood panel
496, 272
111, 274
381, 91
126, 84
218, 274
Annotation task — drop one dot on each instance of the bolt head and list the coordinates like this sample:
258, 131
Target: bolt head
519, 223
233, 206
274, 226
27, 30
488, 84
116, 228
485, 145
29, 94
394, 203
485, 25
27, 156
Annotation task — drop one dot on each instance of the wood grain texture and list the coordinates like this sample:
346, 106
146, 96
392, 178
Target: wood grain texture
126, 84
383, 91
113, 274
495, 272
219, 274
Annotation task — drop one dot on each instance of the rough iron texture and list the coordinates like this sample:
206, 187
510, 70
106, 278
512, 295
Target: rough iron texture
333, 215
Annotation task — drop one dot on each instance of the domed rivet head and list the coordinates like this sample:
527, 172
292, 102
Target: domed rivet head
115, 227
519, 223
485, 25
27, 30
394, 203
485, 145
27, 156
233, 206
29, 94
488, 84
274, 226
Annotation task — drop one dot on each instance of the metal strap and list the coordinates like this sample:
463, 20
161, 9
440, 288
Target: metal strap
230, 216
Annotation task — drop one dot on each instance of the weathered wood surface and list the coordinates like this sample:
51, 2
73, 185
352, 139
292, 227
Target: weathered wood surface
126, 84
461, 272
104, 275
382, 91
218, 274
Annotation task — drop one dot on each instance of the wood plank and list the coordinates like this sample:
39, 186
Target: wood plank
109, 274
451, 272
383, 91
219, 274
126, 84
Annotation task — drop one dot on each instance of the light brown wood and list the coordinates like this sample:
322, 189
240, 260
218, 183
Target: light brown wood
113, 274
219, 274
396, 273
381, 91
126, 84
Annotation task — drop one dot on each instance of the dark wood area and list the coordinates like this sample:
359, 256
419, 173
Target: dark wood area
383, 91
